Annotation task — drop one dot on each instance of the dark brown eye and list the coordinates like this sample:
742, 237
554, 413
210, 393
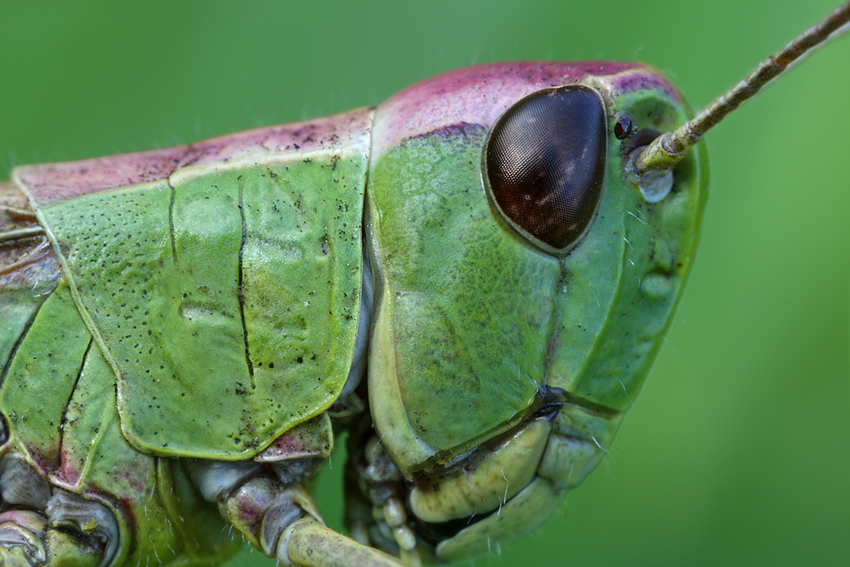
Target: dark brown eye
545, 161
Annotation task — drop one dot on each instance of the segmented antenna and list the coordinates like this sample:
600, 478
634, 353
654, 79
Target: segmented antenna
668, 149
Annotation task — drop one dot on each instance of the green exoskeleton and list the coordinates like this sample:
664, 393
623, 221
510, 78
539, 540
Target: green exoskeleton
471, 278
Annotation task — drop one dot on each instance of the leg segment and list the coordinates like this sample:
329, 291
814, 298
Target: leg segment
308, 543
375, 511
271, 508
41, 526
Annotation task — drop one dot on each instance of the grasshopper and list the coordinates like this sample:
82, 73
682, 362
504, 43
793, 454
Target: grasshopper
165, 204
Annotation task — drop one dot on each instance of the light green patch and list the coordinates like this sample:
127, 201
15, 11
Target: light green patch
42, 374
624, 279
215, 300
461, 292
16, 310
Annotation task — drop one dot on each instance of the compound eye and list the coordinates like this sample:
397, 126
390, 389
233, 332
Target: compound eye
545, 162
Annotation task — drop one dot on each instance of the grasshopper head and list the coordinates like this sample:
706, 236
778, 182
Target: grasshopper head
523, 283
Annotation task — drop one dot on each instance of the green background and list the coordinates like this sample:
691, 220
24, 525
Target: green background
738, 451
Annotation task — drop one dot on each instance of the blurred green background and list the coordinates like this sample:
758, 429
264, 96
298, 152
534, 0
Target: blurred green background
738, 451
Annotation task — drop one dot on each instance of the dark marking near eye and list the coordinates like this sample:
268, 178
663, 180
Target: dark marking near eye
623, 128
640, 139
545, 164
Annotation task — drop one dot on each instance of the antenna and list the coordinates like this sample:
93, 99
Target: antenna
653, 164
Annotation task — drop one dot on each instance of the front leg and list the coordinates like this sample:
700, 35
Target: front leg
271, 508
309, 543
